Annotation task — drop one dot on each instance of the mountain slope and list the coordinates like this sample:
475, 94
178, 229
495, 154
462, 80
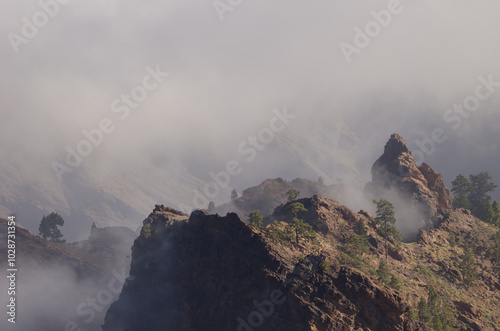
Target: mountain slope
216, 273
66, 286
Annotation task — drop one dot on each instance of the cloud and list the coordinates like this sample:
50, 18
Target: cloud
227, 76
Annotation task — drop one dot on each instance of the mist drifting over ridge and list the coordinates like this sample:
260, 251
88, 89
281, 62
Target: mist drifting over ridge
224, 79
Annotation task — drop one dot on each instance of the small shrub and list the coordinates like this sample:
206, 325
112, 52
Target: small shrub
146, 230
325, 268
452, 240
395, 283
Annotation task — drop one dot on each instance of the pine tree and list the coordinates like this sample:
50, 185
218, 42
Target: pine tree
211, 206
48, 228
395, 283
357, 245
452, 239
301, 229
496, 252
424, 313
386, 220
360, 228
468, 267
481, 185
484, 211
496, 213
292, 194
433, 299
383, 271
146, 230
234, 195
461, 189
295, 208
256, 219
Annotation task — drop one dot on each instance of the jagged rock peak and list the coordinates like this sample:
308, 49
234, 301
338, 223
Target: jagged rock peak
396, 171
396, 146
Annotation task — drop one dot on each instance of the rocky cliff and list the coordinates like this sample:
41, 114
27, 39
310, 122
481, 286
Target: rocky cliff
209, 272
416, 191
396, 169
212, 272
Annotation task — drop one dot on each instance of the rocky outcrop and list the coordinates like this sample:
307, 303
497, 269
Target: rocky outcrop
435, 182
417, 192
397, 170
272, 192
210, 272
325, 215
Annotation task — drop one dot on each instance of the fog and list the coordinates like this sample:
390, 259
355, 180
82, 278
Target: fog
224, 80
54, 298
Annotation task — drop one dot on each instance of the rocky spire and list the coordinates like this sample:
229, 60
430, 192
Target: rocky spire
396, 163
397, 170
396, 146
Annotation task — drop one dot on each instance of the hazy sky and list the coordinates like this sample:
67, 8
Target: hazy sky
225, 77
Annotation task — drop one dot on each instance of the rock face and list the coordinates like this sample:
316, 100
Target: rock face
397, 169
417, 192
325, 215
210, 272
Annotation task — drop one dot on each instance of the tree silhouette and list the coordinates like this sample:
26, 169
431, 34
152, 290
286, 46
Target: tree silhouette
468, 267
360, 228
481, 185
386, 221
211, 206
146, 230
256, 219
48, 228
292, 194
461, 189
496, 213
301, 229
383, 272
295, 208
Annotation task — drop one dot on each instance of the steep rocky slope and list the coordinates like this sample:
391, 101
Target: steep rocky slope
210, 272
